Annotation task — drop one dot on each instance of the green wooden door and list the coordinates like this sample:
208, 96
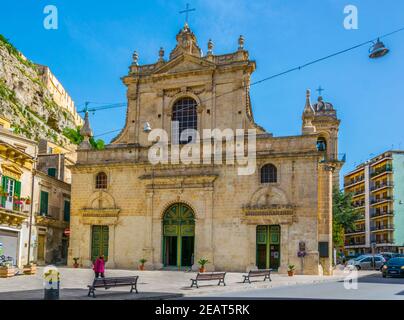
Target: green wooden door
99, 242
178, 235
268, 247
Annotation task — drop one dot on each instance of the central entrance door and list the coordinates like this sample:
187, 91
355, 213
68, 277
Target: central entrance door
99, 242
268, 247
178, 236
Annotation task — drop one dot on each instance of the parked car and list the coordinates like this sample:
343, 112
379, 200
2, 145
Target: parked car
394, 268
388, 255
365, 262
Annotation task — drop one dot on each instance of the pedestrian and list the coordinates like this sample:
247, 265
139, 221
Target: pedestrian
99, 267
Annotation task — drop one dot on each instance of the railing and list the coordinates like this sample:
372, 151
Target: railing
355, 243
382, 185
340, 157
374, 214
14, 205
356, 230
358, 204
382, 241
389, 226
377, 200
353, 181
357, 193
386, 168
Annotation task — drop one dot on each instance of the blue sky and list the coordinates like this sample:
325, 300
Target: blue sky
92, 49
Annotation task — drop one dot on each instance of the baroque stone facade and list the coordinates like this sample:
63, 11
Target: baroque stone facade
174, 214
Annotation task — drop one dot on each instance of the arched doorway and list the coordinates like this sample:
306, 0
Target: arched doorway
178, 235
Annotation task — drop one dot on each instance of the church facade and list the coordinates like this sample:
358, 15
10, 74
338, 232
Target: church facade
172, 214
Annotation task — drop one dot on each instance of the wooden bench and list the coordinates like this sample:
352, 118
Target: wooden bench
209, 277
113, 282
266, 273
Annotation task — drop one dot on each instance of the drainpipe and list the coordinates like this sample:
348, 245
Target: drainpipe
32, 206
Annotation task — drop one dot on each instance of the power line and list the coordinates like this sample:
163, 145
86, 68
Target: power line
300, 67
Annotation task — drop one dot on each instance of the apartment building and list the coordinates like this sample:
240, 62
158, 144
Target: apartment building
377, 188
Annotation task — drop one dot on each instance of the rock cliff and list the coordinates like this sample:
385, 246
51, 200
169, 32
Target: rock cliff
25, 100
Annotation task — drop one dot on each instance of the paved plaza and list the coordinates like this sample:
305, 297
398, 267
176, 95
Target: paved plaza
151, 284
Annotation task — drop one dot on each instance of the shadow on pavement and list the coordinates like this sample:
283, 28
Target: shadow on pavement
81, 294
377, 278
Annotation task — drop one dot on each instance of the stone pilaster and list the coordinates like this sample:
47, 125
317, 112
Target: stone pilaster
325, 177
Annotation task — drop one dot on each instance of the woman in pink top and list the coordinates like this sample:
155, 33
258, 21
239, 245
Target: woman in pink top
99, 267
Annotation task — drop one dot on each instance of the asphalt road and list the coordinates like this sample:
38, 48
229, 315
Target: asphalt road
372, 287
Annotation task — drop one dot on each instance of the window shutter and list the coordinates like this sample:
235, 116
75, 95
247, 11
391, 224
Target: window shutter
52, 172
67, 211
44, 203
4, 181
17, 190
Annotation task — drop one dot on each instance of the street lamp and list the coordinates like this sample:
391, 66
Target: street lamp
378, 50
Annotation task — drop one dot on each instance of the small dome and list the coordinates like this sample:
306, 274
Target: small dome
322, 105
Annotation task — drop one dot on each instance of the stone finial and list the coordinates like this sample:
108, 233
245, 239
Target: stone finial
241, 43
87, 133
210, 47
161, 54
135, 57
308, 109
308, 116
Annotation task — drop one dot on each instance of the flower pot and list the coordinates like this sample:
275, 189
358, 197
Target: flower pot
7, 272
30, 269
27, 202
141, 267
291, 273
75, 265
202, 269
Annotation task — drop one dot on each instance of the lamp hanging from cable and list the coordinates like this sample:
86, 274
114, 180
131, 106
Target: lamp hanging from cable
378, 50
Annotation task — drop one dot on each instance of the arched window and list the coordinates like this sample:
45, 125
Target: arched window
268, 173
101, 180
184, 111
321, 144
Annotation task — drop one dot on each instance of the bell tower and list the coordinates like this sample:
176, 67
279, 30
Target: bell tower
321, 119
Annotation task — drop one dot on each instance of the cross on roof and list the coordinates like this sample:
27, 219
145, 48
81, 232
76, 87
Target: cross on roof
320, 90
187, 11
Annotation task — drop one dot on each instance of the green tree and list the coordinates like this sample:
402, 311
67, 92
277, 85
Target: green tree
75, 137
344, 216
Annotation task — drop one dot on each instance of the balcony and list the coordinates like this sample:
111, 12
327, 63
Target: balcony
14, 204
382, 170
358, 193
355, 243
379, 186
382, 227
338, 158
382, 241
358, 204
49, 221
382, 199
356, 230
354, 181
377, 214
13, 213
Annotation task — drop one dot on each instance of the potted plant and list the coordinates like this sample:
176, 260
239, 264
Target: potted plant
142, 262
291, 270
76, 264
202, 262
28, 201
7, 270
30, 268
